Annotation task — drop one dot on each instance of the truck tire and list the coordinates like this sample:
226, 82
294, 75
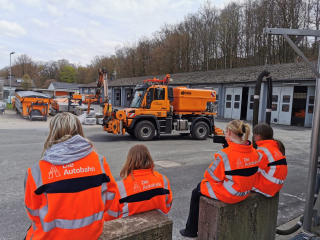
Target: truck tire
144, 131
200, 131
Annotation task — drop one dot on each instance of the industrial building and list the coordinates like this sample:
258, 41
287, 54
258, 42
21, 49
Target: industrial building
292, 100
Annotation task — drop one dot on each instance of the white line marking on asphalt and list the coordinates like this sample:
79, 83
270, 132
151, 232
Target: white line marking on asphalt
301, 199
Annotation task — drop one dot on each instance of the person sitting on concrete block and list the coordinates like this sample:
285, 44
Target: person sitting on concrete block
273, 165
141, 188
70, 188
230, 177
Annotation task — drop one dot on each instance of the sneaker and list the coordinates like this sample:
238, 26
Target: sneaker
186, 233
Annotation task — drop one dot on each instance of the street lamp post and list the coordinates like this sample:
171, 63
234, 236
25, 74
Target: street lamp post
10, 78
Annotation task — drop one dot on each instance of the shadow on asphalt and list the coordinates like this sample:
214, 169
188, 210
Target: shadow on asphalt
105, 137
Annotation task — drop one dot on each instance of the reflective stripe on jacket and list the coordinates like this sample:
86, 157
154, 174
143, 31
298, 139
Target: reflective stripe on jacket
272, 169
145, 192
231, 176
68, 201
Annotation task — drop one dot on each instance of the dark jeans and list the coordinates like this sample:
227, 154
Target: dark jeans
192, 223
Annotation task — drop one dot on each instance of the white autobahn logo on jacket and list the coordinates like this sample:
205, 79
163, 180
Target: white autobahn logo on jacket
55, 171
68, 171
77, 170
246, 163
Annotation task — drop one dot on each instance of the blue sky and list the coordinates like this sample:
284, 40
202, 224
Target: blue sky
78, 30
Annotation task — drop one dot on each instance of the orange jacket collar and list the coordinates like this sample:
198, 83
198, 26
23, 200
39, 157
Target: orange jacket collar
267, 142
141, 172
240, 147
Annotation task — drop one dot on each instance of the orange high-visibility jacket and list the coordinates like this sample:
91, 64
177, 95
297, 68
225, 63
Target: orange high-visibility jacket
68, 201
272, 169
145, 192
231, 176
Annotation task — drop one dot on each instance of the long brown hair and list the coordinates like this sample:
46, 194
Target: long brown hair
63, 126
265, 131
138, 158
239, 128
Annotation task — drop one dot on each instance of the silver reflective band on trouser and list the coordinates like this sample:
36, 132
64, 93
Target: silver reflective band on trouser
271, 178
211, 193
113, 213
101, 163
231, 190
32, 212
169, 205
36, 175
258, 191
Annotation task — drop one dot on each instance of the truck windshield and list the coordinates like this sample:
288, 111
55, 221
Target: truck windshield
137, 99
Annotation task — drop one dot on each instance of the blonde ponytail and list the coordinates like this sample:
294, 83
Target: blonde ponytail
239, 128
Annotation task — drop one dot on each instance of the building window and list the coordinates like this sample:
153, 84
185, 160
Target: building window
310, 109
229, 97
228, 104
236, 105
251, 98
311, 100
275, 98
251, 106
285, 107
237, 97
286, 98
274, 107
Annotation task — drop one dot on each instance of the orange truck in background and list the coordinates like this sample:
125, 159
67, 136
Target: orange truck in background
91, 98
157, 109
32, 105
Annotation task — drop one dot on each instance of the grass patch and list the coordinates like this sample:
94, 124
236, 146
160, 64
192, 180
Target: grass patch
9, 106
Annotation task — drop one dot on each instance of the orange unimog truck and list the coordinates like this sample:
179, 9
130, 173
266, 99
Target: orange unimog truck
157, 109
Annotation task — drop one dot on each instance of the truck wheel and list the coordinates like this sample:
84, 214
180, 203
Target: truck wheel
200, 131
144, 131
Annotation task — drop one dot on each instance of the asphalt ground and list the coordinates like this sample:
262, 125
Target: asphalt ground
183, 161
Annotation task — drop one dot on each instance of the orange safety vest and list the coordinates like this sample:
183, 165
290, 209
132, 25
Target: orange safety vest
231, 176
68, 201
272, 169
145, 192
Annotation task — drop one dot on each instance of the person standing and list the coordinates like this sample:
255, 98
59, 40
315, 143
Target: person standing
230, 177
141, 188
70, 188
273, 168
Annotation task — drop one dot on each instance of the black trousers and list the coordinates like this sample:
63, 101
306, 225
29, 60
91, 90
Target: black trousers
192, 223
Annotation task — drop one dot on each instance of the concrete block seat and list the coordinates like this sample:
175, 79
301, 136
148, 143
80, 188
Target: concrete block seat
255, 218
151, 225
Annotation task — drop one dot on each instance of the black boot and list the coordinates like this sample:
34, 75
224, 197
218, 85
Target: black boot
186, 233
